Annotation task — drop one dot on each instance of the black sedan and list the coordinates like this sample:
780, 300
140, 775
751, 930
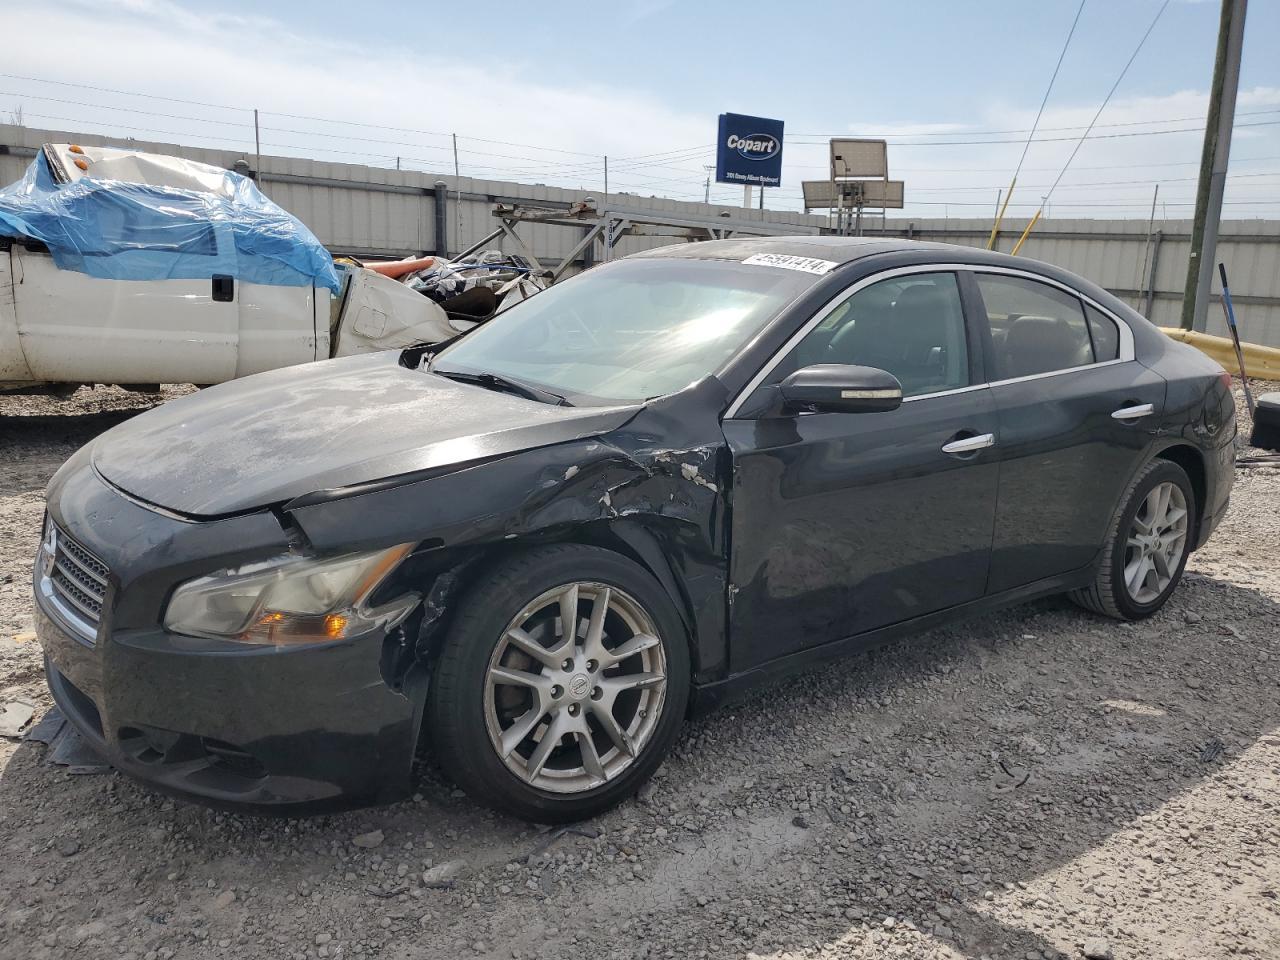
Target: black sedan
541, 546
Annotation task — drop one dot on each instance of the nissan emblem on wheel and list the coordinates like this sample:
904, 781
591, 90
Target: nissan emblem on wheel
749, 151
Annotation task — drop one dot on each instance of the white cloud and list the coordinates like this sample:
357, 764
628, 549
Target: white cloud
460, 84
257, 61
1113, 174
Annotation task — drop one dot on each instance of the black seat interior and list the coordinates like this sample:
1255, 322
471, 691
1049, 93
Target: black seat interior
1042, 344
908, 338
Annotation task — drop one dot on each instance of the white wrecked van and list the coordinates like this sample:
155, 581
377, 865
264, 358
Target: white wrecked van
136, 269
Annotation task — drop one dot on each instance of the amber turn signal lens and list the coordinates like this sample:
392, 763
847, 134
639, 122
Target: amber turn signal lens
82, 164
282, 629
74, 148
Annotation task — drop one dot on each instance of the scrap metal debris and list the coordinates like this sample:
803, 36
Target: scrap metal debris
1019, 780
477, 287
1212, 751
47, 728
15, 715
66, 747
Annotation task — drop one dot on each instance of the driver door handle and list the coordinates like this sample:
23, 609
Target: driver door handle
970, 444
1133, 413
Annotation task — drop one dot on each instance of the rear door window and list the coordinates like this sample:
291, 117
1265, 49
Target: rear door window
1035, 328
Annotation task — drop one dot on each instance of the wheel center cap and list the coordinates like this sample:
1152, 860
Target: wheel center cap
579, 686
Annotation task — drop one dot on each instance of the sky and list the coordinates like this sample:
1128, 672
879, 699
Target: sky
542, 93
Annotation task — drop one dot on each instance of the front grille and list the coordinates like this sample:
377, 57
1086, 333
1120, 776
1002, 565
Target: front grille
78, 578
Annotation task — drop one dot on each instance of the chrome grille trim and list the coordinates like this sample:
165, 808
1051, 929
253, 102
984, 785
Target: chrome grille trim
85, 560
73, 580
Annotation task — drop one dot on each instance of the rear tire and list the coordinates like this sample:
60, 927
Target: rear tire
550, 725
1147, 545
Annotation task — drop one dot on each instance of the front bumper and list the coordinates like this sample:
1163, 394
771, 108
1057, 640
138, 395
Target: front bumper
290, 731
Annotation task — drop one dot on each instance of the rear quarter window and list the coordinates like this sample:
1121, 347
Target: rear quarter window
1106, 337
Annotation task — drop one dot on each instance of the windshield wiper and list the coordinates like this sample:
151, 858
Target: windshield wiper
494, 381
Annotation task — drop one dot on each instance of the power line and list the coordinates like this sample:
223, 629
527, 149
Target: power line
822, 138
1098, 136
125, 93
1048, 90
1107, 98
247, 110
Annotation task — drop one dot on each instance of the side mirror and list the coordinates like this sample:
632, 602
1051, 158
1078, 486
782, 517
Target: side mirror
841, 388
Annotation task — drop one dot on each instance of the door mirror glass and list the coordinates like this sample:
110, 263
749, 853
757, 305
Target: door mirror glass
841, 388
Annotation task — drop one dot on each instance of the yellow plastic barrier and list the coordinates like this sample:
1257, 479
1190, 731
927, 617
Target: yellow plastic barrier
1261, 362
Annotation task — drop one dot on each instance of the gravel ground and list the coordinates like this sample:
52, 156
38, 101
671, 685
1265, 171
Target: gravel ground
1035, 783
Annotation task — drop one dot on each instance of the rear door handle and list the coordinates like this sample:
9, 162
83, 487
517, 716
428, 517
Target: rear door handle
1133, 413
970, 444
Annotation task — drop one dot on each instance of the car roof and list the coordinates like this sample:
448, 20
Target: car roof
835, 249
839, 250
894, 252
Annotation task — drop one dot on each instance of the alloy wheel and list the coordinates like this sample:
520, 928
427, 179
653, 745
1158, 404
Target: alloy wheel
575, 687
1156, 542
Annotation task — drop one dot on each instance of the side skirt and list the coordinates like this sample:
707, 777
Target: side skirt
710, 695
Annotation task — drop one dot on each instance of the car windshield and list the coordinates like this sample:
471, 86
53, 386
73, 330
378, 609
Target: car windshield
629, 330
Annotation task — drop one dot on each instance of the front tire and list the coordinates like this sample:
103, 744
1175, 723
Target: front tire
1147, 545
553, 724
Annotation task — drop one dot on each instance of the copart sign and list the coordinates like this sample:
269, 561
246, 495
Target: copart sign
749, 151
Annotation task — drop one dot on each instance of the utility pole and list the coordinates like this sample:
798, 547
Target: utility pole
257, 148
706, 193
1141, 280
606, 182
1213, 165
457, 183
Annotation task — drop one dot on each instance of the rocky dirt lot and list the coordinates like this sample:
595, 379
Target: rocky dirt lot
1036, 783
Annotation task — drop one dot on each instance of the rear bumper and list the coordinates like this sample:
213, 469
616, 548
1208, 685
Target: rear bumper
1220, 470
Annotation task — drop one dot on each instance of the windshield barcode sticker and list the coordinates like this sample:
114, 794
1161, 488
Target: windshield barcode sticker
787, 262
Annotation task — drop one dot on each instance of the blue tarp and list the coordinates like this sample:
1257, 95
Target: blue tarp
131, 231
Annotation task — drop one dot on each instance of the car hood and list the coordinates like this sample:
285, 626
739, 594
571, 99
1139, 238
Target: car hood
275, 436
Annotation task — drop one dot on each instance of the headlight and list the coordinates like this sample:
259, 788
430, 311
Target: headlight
288, 600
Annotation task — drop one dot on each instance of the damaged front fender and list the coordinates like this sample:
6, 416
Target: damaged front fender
661, 503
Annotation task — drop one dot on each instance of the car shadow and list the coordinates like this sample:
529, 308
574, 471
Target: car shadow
951, 781
1003, 753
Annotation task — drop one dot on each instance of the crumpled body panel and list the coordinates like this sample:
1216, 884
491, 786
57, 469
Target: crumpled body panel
216, 224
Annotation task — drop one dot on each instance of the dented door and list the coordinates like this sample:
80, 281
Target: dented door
81, 329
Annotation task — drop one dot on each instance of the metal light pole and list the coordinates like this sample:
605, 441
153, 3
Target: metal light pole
1213, 165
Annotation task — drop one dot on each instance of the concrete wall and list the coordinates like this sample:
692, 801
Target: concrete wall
1111, 253
370, 211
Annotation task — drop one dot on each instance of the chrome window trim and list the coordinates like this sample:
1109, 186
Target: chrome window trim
1058, 373
946, 393
1126, 333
